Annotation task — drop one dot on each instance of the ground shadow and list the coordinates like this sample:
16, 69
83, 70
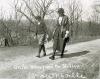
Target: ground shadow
71, 54
76, 54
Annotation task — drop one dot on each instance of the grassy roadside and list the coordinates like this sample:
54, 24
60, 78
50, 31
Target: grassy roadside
79, 39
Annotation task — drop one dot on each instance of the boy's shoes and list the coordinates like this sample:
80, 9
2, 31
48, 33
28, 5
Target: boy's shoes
38, 56
44, 54
62, 56
52, 58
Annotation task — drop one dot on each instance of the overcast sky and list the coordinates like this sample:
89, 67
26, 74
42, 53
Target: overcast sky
5, 5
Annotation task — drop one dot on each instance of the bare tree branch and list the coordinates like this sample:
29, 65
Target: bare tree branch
25, 16
32, 13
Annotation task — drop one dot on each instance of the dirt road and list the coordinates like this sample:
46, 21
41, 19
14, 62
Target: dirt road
21, 63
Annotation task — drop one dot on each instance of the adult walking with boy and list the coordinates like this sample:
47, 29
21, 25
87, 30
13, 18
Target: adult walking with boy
61, 33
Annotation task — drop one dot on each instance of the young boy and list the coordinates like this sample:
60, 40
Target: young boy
41, 31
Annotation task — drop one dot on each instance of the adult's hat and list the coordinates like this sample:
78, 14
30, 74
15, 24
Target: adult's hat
60, 10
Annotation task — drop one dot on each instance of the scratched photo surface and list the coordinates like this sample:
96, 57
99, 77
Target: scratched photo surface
49, 39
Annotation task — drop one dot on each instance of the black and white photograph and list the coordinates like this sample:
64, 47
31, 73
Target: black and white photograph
49, 39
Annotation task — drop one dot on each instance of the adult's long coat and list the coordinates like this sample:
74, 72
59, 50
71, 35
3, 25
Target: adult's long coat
60, 32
